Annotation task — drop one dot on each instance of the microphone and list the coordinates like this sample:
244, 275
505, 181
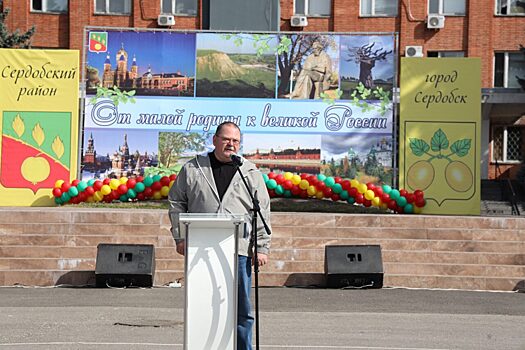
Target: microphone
236, 159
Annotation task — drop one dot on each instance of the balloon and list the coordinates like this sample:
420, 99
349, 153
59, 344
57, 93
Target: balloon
361, 188
354, 183
410, 197
303, 185
346, 185
418, 193
163, 191
328, 192
279, 190
165, 181
409, 209
337, 188
335, 197
131, 193
73, 191
344, 195
114, 184
265, 177
321, 177
82, 185
401, 201
369, 194
319, 195
123, 198
351, 200
75, 182
329, 181
295, 190
91, 182
105, 190
59, 183
58, 200
352, 192
173, 177
90, 199
123, 180
367, 203
394, 194
303, 194
131, 183
157, 195
338, 179
171, 183
271, 175
156, 178
376, 201
288, 175
65, 187
296, 179
403, 192
122, 189
65, 197
311, 190
57, 192
148, 192
156, 186
271, 184
287, 184
359, 198
140, 196
97, 185
106, 181
139, 187
148, 181
420, 202
280, 179
97, 196
287, 194
387, 189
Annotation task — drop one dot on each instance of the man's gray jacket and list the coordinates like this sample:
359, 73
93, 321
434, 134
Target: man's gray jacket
194, 191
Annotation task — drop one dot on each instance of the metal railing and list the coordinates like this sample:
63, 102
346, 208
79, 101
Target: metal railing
513, 197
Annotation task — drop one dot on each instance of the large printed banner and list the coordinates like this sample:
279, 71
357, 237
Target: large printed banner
440, 127
313, 103
38, 123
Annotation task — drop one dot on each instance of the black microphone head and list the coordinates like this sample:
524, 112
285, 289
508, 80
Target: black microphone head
236, 159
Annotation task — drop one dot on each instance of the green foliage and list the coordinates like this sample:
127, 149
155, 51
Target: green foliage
114, 94
327, 98
14, 40
172, 144
439, 143
162, 170
361, 94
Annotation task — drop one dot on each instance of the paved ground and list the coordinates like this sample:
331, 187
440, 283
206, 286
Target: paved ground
290, 318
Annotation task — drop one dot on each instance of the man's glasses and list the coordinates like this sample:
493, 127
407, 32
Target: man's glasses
227, 140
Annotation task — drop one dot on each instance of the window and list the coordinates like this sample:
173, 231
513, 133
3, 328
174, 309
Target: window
179, 7
379, 7
510, 7
508, 67
59, 6
313, 7
120, 7
506, 144
444, 54
447, 7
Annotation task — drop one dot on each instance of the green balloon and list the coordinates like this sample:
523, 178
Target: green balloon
287, 193
123, 198
271, 184
321, 177
139, 187
131, 193
265, 177
157, 178
91, 182
73, 191
401, 201
344, 194
387, 189
82, 186
409, 208
58, 200
394, 194
329, 181
279, 190
337, 188
65, 197
148, 181
351, 200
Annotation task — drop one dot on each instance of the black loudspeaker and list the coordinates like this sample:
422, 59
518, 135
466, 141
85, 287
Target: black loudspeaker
125, 265
359, 266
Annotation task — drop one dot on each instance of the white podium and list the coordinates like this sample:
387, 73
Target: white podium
210, 314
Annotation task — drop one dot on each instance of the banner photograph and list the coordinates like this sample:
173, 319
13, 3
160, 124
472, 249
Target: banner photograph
38, 123
312, 103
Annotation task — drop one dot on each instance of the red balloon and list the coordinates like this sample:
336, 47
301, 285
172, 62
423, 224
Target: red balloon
303, 194
81, 197
172, 177
296, 190
57, 192
420, 202
97, 185
403, 192
378, 191
320, 186
279, 179
148, 192
75, 200
114, 194
139, 178
346, 185
140, 196
392, 204
287, 184
385, 197
367, 203
370, 186
165, 181
65, 187
338, 179
399, 209
271, 175
352, 192
156, 186
271, 193
131, 183
359, 198
418, 193
106, 181
410, 197
89, 191
335, 197
327, 191
304, 176
121, 189
108, 198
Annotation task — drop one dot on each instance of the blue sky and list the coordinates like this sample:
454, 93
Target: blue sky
337, 146
110, 140
166, 52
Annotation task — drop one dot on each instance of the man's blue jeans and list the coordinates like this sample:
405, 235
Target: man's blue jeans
244, 307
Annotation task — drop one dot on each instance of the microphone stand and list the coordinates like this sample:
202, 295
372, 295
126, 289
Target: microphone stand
256, 210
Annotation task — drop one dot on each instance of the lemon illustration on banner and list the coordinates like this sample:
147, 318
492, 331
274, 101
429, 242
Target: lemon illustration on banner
34, 151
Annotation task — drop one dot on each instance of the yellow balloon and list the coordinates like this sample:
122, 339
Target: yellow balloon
59, 183
296, 179
123, 180
105, 190
376, 201
97, 196
354, 183
361, 188
90, 199
288, 175
369, 194
304, 184
319, 195
311, 190
157, 195
164, 191
171, 183
113, 184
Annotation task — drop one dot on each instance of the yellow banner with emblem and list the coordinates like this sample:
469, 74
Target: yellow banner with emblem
38, 123
440, 131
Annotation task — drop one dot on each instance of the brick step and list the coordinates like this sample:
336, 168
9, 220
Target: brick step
82, 241
36, 264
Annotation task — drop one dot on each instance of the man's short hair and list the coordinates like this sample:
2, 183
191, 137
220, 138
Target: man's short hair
221, 125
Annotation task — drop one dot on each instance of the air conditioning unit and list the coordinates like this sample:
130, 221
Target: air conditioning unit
413, 51
166, 20
298, 21
435, 21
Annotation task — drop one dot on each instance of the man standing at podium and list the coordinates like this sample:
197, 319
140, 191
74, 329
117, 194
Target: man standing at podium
211, 184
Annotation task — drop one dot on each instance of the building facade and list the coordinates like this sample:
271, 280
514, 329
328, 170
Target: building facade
492, 30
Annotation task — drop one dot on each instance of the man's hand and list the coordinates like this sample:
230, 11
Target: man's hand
181, 247
262, 258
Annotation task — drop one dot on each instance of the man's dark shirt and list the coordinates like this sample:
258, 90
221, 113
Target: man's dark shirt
222, 173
